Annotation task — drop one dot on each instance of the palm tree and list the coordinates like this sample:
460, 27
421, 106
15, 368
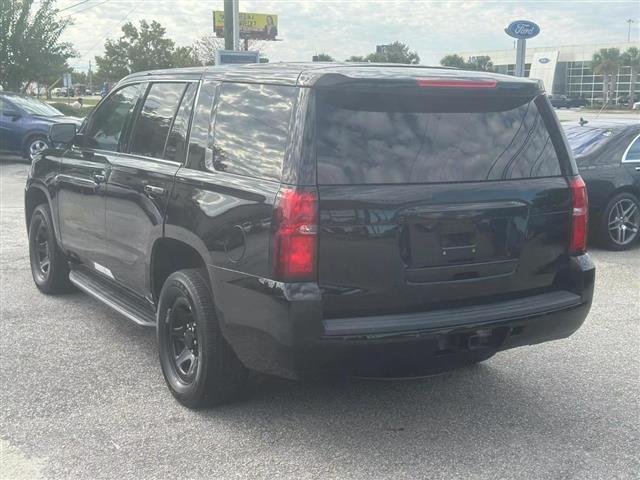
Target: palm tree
631, 58
606, 62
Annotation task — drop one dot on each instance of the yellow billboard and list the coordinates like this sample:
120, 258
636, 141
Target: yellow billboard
260, 26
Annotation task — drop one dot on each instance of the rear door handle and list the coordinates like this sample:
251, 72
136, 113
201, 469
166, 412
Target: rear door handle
152, 191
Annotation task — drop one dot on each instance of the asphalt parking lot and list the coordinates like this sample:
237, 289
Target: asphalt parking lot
82, 396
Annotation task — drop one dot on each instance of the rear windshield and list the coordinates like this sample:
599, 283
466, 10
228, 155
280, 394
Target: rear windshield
584, 140
376, 138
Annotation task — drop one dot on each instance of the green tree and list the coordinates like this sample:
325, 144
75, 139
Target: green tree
481, 63
396, 52
139, 49
323, 57
453, 61
606, 62
184, 57
631, 58
30, 46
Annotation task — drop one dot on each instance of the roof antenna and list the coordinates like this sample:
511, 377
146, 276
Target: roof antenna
583, 122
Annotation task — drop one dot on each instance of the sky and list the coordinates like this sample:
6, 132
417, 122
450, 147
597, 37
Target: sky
345, 28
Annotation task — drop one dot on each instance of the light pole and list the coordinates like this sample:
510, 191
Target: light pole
629, 21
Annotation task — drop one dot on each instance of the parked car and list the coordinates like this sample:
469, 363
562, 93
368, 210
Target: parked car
608, 156
302, 218
559, 101
562, 101
24, 124
575, 102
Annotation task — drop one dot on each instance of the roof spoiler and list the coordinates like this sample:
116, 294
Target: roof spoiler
437, 84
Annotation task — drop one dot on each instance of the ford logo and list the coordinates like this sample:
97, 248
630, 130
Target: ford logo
544, 60
522, 29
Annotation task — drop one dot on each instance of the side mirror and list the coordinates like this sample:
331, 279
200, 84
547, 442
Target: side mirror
62, 133
15, 114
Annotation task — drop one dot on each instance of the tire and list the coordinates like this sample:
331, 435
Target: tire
198, 365
34, 145
619, 227
49, 267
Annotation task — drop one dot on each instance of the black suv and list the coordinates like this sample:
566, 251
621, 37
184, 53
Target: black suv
296, 219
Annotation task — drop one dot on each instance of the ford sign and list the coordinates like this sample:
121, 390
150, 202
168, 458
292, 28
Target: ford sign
544, 60
522, 29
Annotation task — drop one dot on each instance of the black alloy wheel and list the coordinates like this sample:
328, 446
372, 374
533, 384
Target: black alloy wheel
49, 266
199, 366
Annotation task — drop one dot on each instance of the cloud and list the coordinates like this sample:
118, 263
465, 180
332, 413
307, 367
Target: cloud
345, 28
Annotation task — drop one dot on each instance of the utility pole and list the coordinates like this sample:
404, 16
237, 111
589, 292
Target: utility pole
236, 25
231, 25
90, 80
629, 21
228, 24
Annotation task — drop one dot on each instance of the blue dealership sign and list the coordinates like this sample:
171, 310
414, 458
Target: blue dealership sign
522, 29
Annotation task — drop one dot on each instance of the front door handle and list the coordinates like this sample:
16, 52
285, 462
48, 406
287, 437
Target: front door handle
637, 169
152, 191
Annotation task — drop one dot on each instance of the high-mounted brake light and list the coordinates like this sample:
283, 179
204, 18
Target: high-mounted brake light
452, 83
580, 216
296, 234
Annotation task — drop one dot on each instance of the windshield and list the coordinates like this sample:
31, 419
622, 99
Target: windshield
34, 107
585, 140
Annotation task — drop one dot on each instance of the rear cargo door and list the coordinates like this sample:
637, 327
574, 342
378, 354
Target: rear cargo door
431, 199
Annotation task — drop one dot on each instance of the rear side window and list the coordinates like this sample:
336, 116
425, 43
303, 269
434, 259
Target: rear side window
369, 138
155, 119
633, 152
109, 120
251, 128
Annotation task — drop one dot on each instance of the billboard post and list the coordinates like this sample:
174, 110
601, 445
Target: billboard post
521, 30
227, 21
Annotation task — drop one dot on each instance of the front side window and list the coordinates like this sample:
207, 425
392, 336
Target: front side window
633, 152
155, 119
108, 122
251, 128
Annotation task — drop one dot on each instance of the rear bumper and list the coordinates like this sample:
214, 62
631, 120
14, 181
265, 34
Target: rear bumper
279, 328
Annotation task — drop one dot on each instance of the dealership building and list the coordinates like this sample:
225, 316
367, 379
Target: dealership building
565, 70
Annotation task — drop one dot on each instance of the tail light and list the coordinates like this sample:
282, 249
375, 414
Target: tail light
580, 216
295, 240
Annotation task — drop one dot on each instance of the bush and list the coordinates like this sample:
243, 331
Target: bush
67, 109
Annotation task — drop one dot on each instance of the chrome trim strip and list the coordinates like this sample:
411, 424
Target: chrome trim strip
73, 278
624, 155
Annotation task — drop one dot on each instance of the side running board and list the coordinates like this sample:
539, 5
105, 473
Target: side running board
111, 297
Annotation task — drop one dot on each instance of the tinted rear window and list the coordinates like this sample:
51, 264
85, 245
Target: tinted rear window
369, 138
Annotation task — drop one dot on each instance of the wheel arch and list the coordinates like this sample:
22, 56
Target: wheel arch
172, 252
35, 195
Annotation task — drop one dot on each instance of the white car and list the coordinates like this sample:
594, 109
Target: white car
636, 106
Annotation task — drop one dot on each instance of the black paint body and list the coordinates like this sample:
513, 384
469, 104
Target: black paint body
603, 169
119, 216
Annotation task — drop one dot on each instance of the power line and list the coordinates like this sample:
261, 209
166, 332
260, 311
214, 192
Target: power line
72, 6
85, 9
